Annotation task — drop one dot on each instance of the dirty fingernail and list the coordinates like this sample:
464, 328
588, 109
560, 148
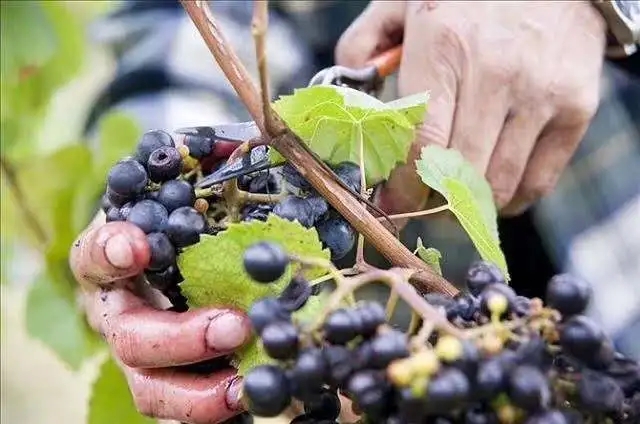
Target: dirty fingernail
234, 394
227, 332
119, 252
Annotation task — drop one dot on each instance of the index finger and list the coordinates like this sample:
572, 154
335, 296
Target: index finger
144, 337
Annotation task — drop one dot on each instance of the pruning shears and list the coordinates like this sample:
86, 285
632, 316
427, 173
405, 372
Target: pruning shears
225, 138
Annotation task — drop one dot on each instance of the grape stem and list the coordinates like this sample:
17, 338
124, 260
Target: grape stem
419, 213
302, 159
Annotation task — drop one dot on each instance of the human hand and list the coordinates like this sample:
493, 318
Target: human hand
150, 343
513, 87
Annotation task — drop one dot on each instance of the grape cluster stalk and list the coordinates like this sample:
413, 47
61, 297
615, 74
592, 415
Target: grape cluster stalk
486, 356
154, 190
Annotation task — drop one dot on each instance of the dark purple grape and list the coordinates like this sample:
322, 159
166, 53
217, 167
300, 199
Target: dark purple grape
491, 378
105, 203
599, 393
350, 174
568, 294
387, 347
293, 177
184, 226
175, 194
495, 291
547, 417
201, 144
165, 163
113, 214
341, 326
447, 390
125, 210
163, 254
294, 208
117, 200
267, 391
319, 207
372, 315
529, 388
149, 216
265, 312
262, 182
127, 178
338, 235
151, 141
295, 294
324, 406
368, 390
340, 362
265, 262
581, 337
310, 370
280, 340
481, 274
164, 279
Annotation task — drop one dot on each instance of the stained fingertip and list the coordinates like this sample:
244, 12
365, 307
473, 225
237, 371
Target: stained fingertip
233, 396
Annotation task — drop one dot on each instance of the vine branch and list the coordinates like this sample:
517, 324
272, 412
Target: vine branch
293, 150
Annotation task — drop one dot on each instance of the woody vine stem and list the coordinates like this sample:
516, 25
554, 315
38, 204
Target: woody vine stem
289, 145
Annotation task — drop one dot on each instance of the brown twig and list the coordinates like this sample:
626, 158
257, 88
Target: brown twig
30, 218
291, 147
259, 25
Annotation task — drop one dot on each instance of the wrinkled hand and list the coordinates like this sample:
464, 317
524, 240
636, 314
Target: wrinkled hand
513, 87
148, 342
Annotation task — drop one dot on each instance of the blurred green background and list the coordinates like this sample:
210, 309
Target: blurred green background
50, 183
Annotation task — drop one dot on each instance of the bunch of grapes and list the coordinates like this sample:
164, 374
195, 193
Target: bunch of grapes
486, 356
302, 203
154, 189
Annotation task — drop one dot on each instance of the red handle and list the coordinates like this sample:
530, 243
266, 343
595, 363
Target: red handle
388, 61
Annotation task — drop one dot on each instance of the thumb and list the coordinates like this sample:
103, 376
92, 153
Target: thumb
378, 28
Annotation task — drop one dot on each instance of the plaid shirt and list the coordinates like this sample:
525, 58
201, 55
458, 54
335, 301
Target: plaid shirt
589, 225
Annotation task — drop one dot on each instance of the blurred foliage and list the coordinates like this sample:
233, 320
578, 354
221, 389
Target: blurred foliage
48, 198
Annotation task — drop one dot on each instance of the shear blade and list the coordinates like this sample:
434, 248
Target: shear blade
236, 132
256, 160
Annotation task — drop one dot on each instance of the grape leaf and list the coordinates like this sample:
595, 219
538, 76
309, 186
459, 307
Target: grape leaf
334, 121
20, 52
111, 400
119, 134
53, 317
469, 196
214, 273
431, 256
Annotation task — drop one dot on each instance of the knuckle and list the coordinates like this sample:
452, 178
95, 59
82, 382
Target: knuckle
534, 190
122, 343
450, 43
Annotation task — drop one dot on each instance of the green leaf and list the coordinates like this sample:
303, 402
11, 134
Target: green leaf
111, 400
335, 121
54, 318
30, 80
22, 50
119, 134
431, 256
469, 196
214, 274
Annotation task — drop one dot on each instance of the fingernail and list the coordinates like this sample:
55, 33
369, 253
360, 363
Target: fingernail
226, 332
118, 251
233, 398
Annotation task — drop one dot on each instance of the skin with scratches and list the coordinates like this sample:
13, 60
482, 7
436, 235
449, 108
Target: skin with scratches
513, 86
